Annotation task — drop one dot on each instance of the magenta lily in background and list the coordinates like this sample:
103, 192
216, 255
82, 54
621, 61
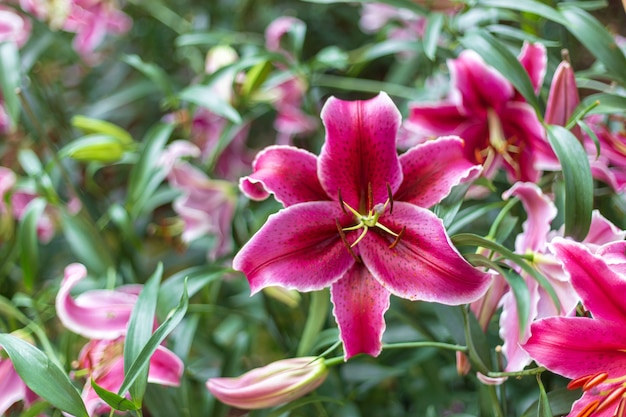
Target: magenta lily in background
103, 362
499, 128
94, 314
13, 27
12, 388
590, 351
355, 220
274, 384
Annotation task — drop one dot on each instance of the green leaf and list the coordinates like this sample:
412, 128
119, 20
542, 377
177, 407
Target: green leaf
432, 33
42, 376
29, 241
402, 4
204, 96
10, 81
117, 402
139, 331
594, 36
560, 401
155, 73
318, 313
90, 125
578, 181
143, 359
607, 103
30, 162
528, 6
543, 408
522, 297
145, 176
255, 77
498, 56
86, 242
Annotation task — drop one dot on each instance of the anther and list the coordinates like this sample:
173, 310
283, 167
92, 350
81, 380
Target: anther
343, 208
589, 409
611, 398
621, 408
370, 196
342, 235
395, 242
390, 198
596, 380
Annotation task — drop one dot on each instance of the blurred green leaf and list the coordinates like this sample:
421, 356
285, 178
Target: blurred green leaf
29, 241
143, 359
30, 162
578, 181
90, 125
155, 73
543, 408
139, 331
402, 4
146, 175
318, 313
119, 100
594, 36
498, 56
255, 77
528, 6
42, 376
204, 96
117, 402
86, 242
10, 81
432, 34
522, 297
560, 401
608, 103
505, 31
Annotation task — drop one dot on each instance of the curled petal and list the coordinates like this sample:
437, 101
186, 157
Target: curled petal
424, 265
540, 210
360, 149
166, 368
12, 388
614, 255
279, 28
602, 231
99, 314
298, 248
431, 170
271, 385
534, 59
287, 172
578, 346
595, 282
360, 304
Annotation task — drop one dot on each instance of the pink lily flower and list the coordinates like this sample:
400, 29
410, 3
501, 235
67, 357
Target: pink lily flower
610, 165
274, 384
13, 27
590, 351
484, 109
103, 362
355, 220
94, 314
12, 388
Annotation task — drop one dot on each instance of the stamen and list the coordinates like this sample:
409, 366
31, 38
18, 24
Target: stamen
611, 398
390, 198
596, 380
578, 382
363, 233
589, 409
341, 203
370, 197
395, 242
342, 235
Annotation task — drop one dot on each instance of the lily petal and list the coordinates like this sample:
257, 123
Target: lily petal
435, 119
602, 231
593, 280
166, 368
360, 304
534, 59
103, 314
480, 86
578, 346
360, 149
289, 173
431, 169
614, 255
12, 388
298, 248
424, 265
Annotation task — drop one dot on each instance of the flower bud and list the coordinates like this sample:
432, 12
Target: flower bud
563, 97
277, 383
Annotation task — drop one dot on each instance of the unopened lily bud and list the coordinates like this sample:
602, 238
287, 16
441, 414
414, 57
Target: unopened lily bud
463, 365
277, 383
96, 148
563, 97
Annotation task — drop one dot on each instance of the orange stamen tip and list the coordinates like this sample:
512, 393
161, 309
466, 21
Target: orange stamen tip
621, 408
578, 382
390, 197
342, 235
595, 380
611, 398
589, 409
370, 197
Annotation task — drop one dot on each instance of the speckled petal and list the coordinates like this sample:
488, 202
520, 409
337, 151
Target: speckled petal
298, 248
534, 59
423, 265
599, 286
578, 346
287, 172
360, 304
431, 169
360, 149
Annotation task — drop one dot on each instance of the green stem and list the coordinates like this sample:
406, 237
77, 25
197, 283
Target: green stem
495, 401
318, 312
496, 223
525, 372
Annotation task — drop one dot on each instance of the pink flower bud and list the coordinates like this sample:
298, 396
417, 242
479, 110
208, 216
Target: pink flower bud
563, 97
272, 385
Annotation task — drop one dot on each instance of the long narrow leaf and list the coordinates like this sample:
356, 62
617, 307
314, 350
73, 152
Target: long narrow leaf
29, 241
139, 332
42, 376
10, 81
578, 181
528, 6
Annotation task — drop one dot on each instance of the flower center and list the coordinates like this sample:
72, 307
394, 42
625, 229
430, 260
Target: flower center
498, 145
612, 396
368, 220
